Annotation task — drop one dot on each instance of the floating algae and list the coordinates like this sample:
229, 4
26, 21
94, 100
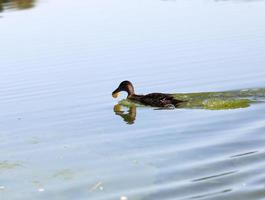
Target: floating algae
128, 103
214, 100
5, 165
65, 174
220, 104
236, 94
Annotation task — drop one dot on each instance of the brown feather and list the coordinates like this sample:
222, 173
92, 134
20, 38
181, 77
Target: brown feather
156, 100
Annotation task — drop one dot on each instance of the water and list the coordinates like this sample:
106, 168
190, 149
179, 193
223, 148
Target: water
60, 137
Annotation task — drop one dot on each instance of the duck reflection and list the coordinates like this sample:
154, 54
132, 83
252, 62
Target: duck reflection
128, 116
16, 4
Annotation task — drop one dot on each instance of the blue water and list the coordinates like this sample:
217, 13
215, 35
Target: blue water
60, 138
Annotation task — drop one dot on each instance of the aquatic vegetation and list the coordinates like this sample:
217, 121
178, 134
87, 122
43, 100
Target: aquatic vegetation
16, 4
8, 165
128, 103
34, 140
214, 100
246, 93
65, 174
219, 104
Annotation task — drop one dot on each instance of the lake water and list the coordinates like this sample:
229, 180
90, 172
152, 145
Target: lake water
60, 137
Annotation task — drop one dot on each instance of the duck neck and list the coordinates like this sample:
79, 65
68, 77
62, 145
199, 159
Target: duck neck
130, 91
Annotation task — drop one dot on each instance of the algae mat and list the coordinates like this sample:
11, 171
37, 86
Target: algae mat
215, 100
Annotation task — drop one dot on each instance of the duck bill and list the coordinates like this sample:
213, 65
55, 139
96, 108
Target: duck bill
115, 93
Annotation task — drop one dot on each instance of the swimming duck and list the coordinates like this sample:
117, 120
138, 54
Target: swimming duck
153, 99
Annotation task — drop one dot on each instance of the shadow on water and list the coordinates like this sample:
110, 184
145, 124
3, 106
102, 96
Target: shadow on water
16, 4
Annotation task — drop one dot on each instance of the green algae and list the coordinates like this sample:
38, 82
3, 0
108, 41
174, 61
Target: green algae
5, 165
246, 93
128, 103
34, 141
65, 174
220, 104
214, 100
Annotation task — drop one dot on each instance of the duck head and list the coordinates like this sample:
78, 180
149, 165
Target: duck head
125, 86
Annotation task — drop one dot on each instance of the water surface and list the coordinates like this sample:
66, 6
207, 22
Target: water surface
60, 137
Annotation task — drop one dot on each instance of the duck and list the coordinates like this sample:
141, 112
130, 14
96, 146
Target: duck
153, 99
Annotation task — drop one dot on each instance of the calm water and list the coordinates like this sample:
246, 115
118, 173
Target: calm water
60, 138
